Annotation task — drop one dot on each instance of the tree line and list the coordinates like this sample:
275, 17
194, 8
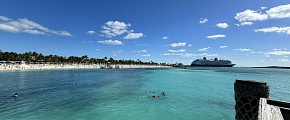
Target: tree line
34, 57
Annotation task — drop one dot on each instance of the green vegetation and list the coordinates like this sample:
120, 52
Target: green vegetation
40, 58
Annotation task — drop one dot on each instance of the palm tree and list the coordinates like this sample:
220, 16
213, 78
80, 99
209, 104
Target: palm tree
111, 60
1, 54
46, 58
85, 58
34, 56
62, 59
105, 59
50, 57
40, 57
54, 59
26, 57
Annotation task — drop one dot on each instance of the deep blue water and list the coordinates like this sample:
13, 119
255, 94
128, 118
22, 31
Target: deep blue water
109, 94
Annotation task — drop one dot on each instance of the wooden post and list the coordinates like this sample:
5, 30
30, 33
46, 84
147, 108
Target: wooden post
247, 96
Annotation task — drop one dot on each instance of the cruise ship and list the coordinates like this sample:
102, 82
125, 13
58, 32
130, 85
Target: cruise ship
212, 63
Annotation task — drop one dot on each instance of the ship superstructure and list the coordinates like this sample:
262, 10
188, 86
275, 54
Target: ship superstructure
212, 63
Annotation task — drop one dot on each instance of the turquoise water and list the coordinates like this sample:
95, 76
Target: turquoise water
110, 94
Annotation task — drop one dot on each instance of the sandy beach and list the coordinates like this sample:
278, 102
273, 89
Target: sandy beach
73, 66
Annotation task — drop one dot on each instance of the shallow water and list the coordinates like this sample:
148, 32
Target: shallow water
107, 94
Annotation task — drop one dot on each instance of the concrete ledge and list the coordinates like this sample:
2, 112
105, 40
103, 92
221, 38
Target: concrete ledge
284, 107
268, 112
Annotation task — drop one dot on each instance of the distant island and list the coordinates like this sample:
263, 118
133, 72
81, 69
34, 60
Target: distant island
277, 67
39, 58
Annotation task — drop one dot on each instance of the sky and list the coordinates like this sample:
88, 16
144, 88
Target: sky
247, 32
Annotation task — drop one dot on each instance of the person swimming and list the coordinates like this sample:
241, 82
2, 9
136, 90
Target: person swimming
163, 93
151, 91
15, 95
154, 96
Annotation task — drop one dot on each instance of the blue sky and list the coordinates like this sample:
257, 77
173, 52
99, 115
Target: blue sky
249, 33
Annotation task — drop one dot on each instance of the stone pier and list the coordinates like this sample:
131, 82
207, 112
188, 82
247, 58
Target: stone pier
247, 96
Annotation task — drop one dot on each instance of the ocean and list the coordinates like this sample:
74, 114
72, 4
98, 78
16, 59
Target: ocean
124, 94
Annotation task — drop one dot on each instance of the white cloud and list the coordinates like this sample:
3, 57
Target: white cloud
189, 45
179, 54
216, 36
3, 18
91, 32
178, 44
133, 36
244, 23
147, 55
223, 46
166, 54
117, 52
208, 55
190, 54
108, 33
280, 49
9, 28
111, 42
143, 45
222, 25
284, 60
114, 28
203, 20
25, 23
164, 38
260, 52
204, 49
177, 51
171, 54
262, 8
275, 29
282, 11
141, 51
250, 15
176, 60
33, 32
278, 12
243, 50
62, 33
27, 26
278, 53
267, 56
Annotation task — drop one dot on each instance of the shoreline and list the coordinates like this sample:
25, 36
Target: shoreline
274, 67
73, 66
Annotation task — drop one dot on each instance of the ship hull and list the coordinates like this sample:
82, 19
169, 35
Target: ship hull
197, 65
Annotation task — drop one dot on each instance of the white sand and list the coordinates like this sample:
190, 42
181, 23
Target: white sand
73, 66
